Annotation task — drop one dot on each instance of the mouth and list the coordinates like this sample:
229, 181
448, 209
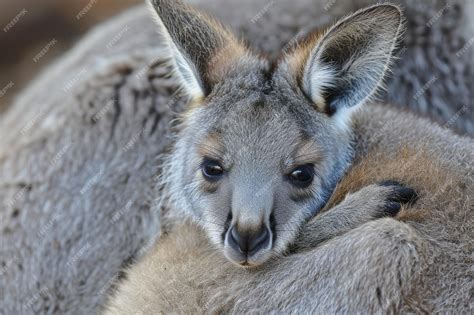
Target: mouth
247, 256
247, 260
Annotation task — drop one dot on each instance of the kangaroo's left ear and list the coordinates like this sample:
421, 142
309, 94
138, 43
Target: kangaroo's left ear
201, 48
344, 67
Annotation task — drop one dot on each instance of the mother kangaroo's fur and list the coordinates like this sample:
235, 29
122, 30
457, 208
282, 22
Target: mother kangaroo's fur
420, 262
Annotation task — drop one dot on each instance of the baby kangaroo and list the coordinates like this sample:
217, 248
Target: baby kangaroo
266, 145
265, 142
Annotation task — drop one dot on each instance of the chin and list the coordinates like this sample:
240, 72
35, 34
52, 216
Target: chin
247, 260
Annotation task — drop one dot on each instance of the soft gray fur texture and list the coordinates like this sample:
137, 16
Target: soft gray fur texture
259, 125
79, 147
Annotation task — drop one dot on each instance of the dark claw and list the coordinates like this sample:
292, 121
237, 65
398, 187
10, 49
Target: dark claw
404, 195
392, 208
399, 195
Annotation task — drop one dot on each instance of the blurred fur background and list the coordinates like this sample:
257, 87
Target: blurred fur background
440, 37
40, 23
64, 174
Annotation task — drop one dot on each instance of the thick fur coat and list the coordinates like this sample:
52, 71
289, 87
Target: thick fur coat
418, 264
79, 147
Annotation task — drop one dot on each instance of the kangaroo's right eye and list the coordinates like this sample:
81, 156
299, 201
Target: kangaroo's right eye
212, 170
302, 176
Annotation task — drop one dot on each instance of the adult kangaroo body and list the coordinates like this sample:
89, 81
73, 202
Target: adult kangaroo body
78, 161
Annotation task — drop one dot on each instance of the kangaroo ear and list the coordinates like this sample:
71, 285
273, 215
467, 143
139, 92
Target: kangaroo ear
197, 42
344, 67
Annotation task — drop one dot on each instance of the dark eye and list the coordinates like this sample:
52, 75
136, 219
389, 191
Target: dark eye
302, 176
212, 170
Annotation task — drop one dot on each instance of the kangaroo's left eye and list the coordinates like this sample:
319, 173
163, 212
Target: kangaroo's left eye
302, 176
212, 170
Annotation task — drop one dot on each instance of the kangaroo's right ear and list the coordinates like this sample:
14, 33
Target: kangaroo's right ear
200, 46
343, 67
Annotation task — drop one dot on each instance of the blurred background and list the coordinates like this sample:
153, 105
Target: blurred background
33, 33
440, 38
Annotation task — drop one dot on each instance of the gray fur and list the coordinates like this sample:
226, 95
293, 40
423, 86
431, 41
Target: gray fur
264, 127
68, 104
382, 266
357, 208
321, 276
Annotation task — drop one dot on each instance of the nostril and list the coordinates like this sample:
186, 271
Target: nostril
237, 239
259, 240
248, 242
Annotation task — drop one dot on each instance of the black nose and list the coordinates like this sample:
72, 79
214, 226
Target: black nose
248, 241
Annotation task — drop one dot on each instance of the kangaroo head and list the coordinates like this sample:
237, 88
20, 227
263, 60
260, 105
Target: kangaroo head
264, 142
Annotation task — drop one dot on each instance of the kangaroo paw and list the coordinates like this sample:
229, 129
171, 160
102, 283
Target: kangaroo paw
397, 195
